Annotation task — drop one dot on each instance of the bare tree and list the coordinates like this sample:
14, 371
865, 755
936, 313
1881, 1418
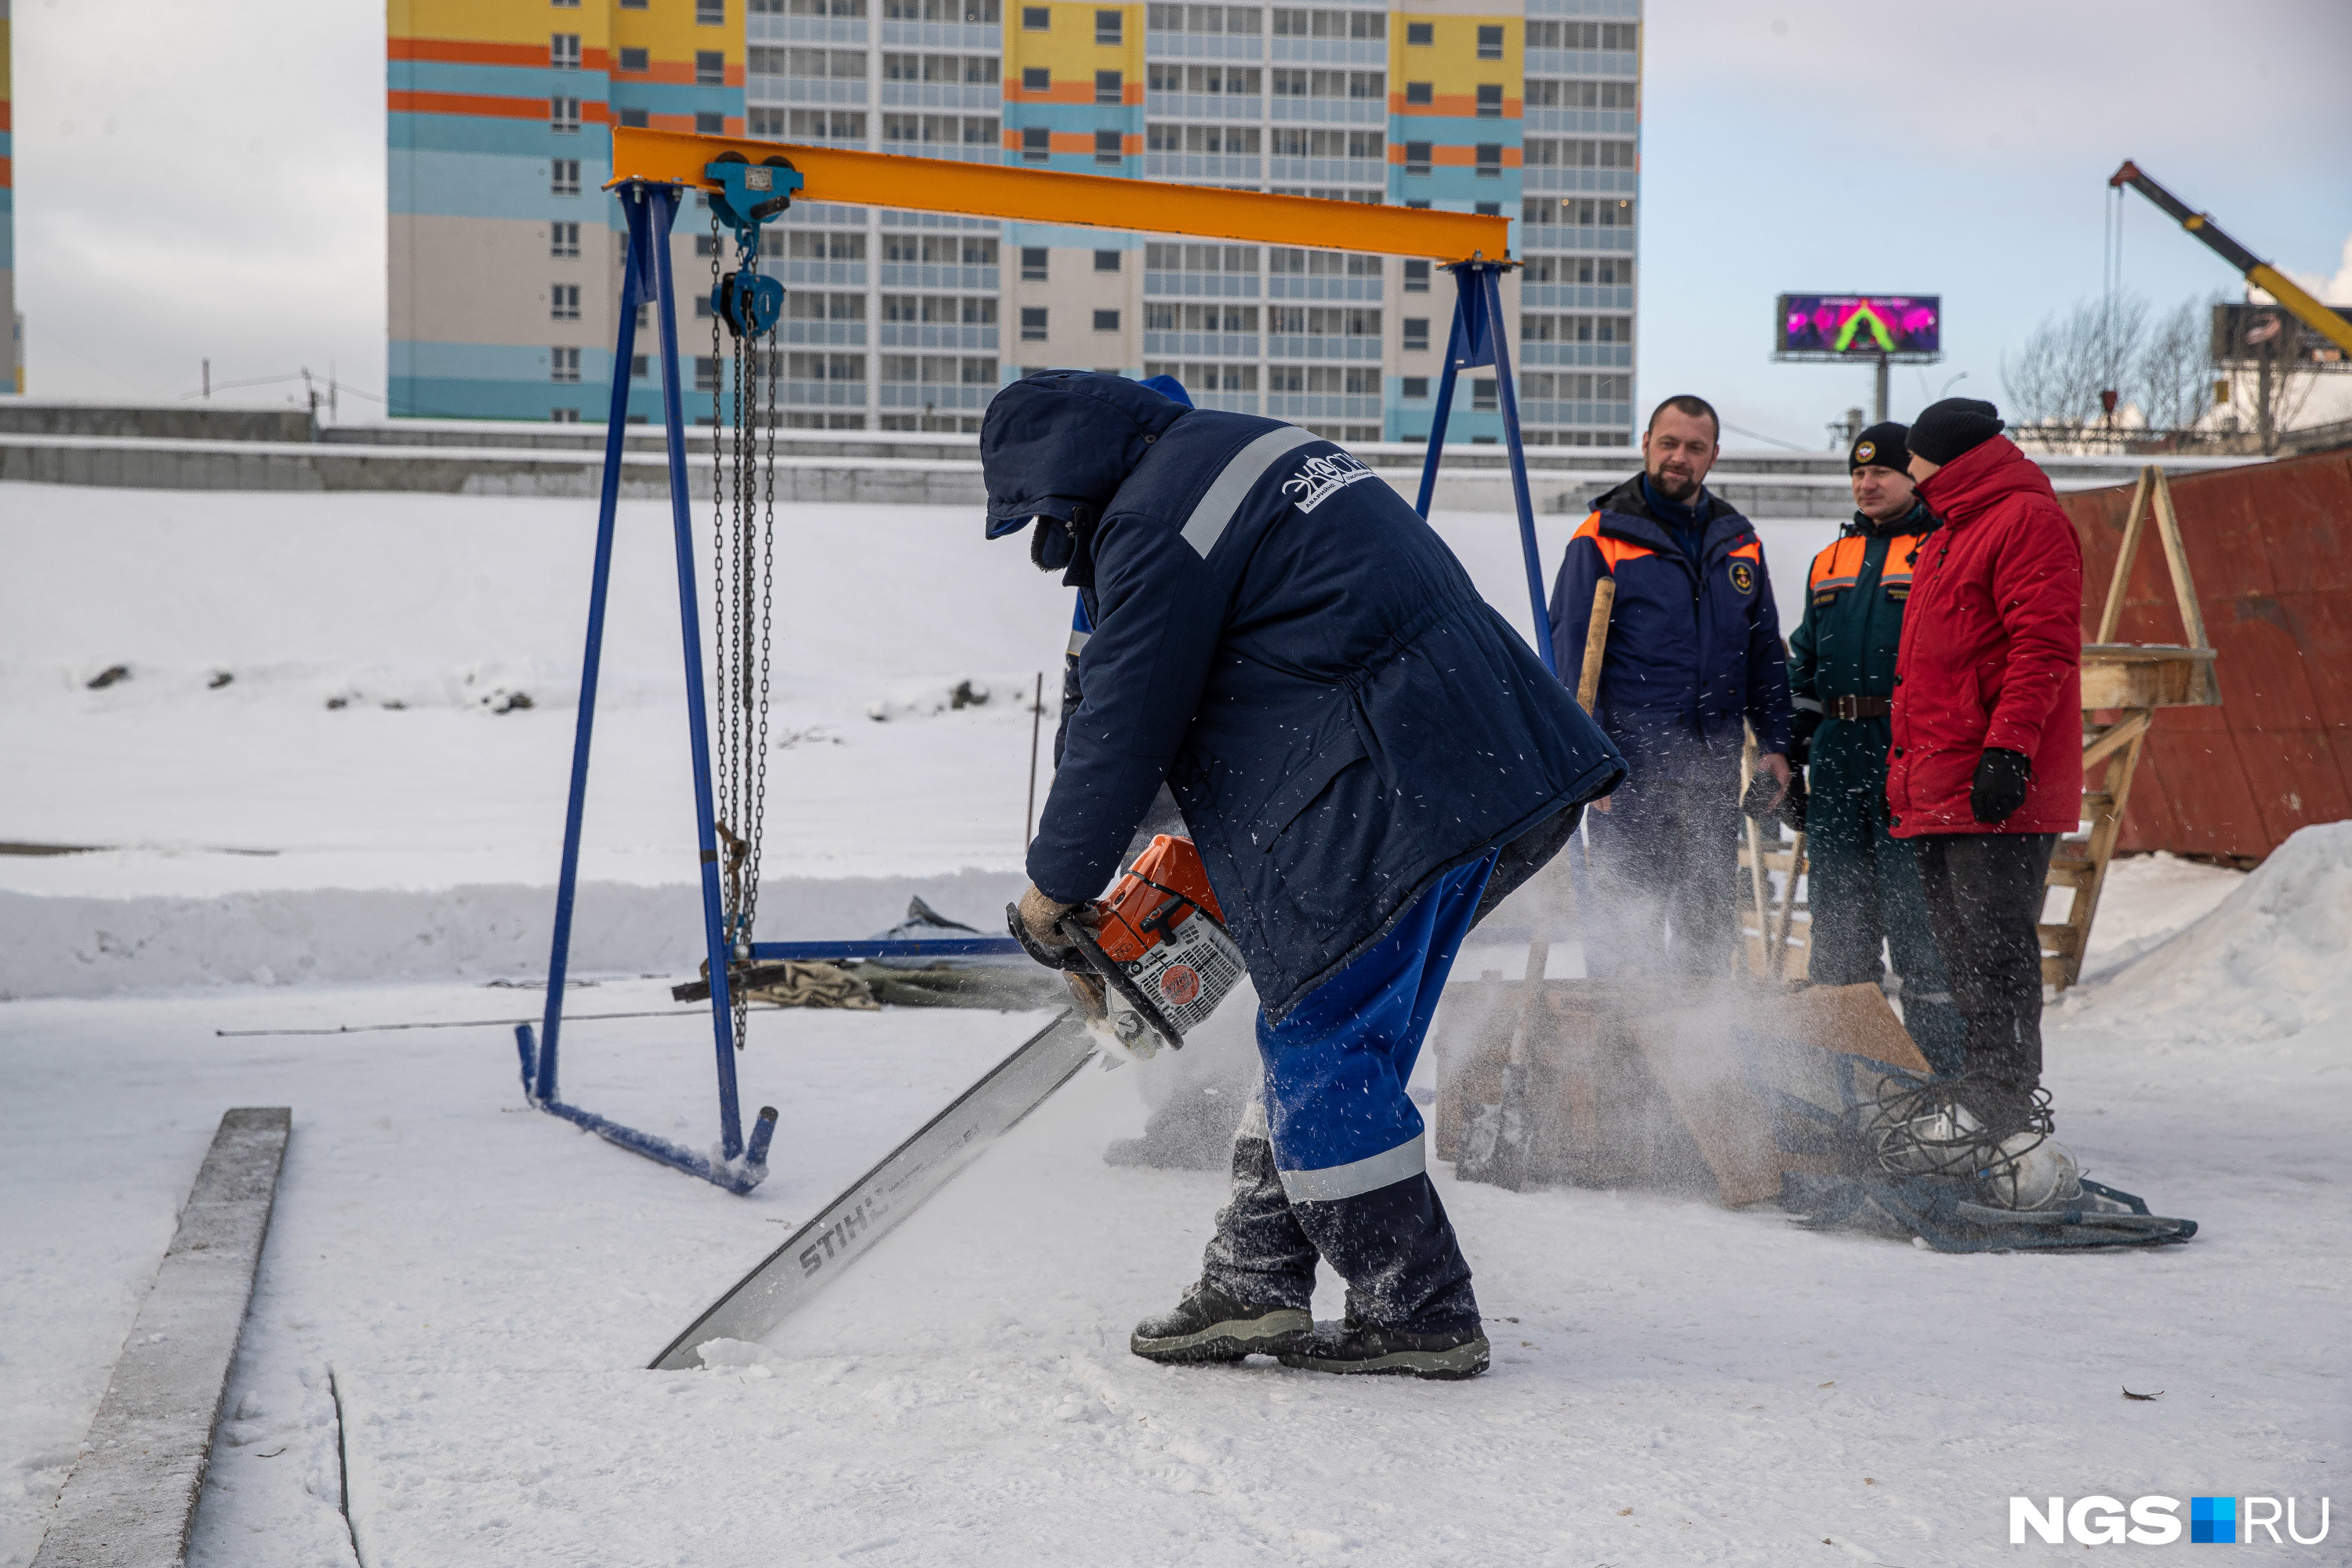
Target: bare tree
2068, 360
2280, 380
2172, 374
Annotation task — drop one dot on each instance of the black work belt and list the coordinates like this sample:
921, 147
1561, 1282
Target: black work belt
1855, 707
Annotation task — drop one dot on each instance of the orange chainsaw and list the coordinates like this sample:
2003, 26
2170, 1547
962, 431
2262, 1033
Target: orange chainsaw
1158, 945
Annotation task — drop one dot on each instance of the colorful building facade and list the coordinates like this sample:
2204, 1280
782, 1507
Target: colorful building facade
905, 320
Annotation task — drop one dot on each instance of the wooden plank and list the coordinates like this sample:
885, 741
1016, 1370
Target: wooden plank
132, 1495
2059, 938
2132, 521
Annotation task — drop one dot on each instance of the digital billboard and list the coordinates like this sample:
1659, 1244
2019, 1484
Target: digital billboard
2245, 335
1902, 327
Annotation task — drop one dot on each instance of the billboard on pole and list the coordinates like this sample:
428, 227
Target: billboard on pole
1905, 327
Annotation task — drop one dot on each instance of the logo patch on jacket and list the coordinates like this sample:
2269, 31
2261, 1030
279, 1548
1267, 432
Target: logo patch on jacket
1321, 477
1743, 576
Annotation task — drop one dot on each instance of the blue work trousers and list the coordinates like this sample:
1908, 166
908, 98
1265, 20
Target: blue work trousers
1331, 1160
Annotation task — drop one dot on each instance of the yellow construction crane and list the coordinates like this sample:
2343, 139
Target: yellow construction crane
2319, 318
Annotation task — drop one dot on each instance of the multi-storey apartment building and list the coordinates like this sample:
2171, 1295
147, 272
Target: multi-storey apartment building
910, 321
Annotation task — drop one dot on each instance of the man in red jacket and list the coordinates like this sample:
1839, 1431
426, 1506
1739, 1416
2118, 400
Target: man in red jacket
1985, 769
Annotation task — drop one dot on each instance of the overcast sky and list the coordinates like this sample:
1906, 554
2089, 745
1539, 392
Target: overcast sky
195, 180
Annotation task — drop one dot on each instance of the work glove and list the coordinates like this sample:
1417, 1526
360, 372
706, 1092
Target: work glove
1792, 810
1035, 923
2000, 787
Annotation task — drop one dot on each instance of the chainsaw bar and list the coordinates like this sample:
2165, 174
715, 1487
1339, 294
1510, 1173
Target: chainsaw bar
879, 1201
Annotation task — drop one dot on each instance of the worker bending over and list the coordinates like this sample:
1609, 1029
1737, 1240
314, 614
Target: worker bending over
1987, 767
1694, 652
1863, 882
1368, 759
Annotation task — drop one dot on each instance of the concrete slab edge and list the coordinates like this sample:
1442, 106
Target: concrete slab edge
132, 1495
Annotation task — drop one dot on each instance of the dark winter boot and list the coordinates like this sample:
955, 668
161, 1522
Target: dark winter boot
1209, 1326
1351, 1346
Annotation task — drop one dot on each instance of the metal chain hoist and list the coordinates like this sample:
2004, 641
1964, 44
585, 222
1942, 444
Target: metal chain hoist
749, 304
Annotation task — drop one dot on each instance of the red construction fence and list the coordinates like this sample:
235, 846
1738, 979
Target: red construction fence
2270, 547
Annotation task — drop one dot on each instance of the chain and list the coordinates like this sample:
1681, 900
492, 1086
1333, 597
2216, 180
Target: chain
771, 364
723, 675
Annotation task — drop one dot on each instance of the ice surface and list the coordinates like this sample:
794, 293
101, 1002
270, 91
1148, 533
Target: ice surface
478, 1286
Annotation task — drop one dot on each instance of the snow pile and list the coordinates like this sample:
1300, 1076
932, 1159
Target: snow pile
2271, 961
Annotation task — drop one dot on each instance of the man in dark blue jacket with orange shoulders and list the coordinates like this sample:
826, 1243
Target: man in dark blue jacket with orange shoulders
1368, 759
1694, 654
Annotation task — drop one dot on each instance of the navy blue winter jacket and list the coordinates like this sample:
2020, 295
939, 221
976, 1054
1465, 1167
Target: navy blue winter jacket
1694, 646
1296, 655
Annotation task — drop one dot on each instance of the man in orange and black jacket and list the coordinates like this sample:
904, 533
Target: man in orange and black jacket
1694, 658
1863, 882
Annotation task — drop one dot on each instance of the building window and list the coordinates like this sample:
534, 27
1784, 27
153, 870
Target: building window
1032, 264
565, 4
563, 51
709, 13
1036, 78
563, 239
563, 302
1416, 157
632, 4
563, 416
1037, 18
1417, 203
706, 124
640, 366
1416, 334
564, 115
1106, 147
635, 117
1490, 160
1033, 323
636, 62
1106, 260
1487, 209
1416, 388
1111, 27
564, 177
706, 373
1490, 100
710, 68
1481, 396
563, 364
1416, 276
1419, 35
1420, 93
1109, 86
1106, 320
1036, 144
1490, 43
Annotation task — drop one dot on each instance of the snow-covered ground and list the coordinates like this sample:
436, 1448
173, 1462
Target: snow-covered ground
478, 1286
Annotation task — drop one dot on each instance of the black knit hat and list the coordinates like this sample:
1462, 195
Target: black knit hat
1945, 430
1880, 446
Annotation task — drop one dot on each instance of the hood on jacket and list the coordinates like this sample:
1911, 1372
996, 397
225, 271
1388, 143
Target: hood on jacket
1969, 485
1059, 445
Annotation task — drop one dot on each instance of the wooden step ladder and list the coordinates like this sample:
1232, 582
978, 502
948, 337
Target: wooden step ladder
2129, 680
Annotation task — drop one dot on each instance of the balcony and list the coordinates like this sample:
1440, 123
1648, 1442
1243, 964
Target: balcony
804, 29
1200, 284
1547, 180
1200, 166
1561, 237
1328, 171
1331, 112
1321, 405
979, 37
938, 278
1357, 290
941, 95
929, 335
835, 274
928, 395
1574, 297
829, 334
1323, 348
825, 393
1202, 105
1201, 345
1159, 46
1601, 415
1581, 356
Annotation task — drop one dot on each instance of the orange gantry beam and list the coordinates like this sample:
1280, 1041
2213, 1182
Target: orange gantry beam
1094, 201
